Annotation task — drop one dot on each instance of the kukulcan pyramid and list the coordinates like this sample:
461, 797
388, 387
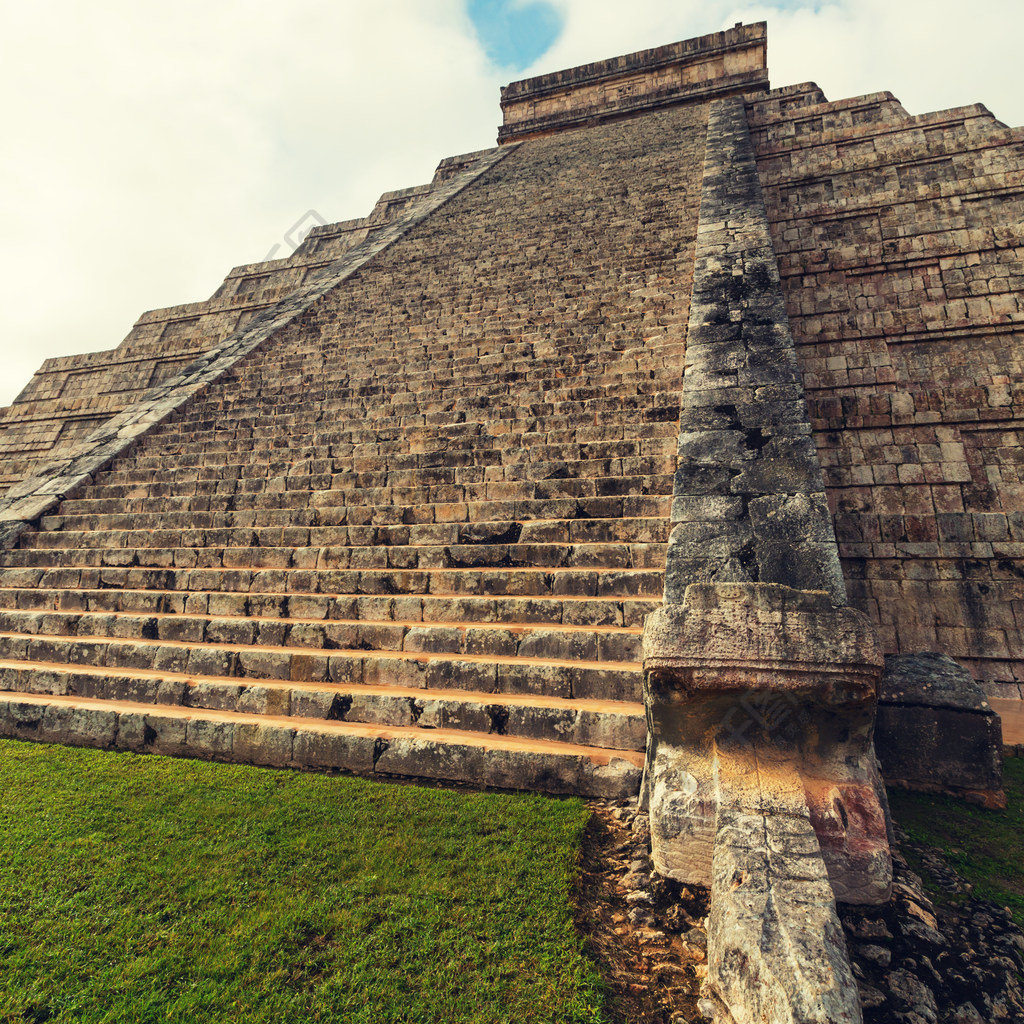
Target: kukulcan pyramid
613, 461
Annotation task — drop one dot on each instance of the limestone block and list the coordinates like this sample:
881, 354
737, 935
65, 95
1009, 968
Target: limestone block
216, 696
165, 735
209, 739
333, 750
521, 769
936, 731
263, 744
131, 731
617, 780
264, 700
405, 755
451, 713
776, 952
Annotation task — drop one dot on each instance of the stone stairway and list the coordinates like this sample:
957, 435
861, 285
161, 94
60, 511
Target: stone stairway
416, 534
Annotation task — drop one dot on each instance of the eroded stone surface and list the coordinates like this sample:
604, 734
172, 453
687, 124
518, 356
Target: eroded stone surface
776, 950
936, 730
760, 687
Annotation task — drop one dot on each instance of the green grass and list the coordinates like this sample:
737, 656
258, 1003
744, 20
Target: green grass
982, 846
151, 889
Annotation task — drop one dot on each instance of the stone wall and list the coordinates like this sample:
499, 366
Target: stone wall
900, 243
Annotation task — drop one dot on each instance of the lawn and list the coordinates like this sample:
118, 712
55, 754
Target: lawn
982, 846
153, 889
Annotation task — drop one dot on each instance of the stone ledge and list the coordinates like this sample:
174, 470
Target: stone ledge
722, 63
743, 636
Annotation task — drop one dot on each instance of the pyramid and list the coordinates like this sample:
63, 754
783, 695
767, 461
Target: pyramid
400, 503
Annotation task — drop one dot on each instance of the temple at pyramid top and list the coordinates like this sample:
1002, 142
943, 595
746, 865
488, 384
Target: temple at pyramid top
720, 64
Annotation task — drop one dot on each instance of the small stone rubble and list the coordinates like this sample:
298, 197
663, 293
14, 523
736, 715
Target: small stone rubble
647, 933
919, 962
916, 961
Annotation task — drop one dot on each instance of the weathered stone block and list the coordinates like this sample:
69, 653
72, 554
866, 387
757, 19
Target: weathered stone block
776, 951
263, 744
457, 762
761, 666
208, 738
350, 752
936, 731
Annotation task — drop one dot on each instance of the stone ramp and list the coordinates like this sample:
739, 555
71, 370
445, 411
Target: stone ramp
418, 530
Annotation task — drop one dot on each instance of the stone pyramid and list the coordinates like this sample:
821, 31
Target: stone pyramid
401, 502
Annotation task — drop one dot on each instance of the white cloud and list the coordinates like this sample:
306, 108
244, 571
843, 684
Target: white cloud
149, 148
931, 53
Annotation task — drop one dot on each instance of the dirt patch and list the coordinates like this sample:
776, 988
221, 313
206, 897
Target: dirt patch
646, 933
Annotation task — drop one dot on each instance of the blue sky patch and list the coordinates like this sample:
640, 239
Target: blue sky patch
514, 34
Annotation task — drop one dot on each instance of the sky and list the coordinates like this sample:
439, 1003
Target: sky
149, 148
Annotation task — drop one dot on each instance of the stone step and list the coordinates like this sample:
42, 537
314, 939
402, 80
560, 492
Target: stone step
338, 460
326, 508
534, 415
64, 534
59, 590
609, 556
392, 384
285, 741
368, 373
327, 458
346, 438
480, 582
518, 426
342, 440
384, 491
361, 368
254, 475
574, 424
522, 640
618, 725
593, 680
551, 393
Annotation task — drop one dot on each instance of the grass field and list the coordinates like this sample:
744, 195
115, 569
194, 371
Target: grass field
152, 889
983, 846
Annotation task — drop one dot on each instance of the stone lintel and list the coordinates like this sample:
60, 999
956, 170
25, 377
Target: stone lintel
694, 70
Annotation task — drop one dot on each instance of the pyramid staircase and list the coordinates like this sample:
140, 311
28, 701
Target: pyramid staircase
418, 533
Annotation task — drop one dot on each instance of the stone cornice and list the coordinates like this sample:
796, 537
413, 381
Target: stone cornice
721, 64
